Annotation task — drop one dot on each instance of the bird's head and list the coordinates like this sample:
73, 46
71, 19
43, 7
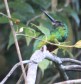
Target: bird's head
54, 22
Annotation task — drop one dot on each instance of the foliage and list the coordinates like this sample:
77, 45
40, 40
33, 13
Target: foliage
32, 28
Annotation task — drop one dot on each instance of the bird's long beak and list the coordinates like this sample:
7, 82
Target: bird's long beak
51, 18
54, 22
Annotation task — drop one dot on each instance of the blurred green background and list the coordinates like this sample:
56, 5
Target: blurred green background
27, 11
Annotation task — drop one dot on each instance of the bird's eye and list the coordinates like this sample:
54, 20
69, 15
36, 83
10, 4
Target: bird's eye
61, 24
58, 23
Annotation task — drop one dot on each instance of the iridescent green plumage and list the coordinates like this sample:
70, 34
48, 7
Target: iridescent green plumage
60, 33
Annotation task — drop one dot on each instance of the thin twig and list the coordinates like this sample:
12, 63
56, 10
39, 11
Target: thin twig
67, 2
54, 78
34, 18
4, 15
13, 69
78, 54
67, 67
77, 81
21, 77
64, 60
15, 39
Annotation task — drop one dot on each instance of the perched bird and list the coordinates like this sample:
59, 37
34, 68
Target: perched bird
60, 29
59, 33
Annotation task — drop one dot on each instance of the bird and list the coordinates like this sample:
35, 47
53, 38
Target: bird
59, 33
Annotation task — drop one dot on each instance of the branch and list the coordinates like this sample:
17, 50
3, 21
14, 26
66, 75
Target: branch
34, 18
37, 57
15, 39
21, 77
72, 67
77, 81
13, 69
70, 61
67, 2
54, 78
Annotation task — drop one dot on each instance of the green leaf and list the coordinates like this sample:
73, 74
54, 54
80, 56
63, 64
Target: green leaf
46, 23
19, 16
22, 10
73, 13
76, 17
11, 39
77, 6
43, 29
30, 34
43, 3
4, 19
78, 44
2, 5
21, 7
44, 64
55, 51
36, 43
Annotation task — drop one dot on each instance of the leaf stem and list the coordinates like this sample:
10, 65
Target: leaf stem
60, 45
